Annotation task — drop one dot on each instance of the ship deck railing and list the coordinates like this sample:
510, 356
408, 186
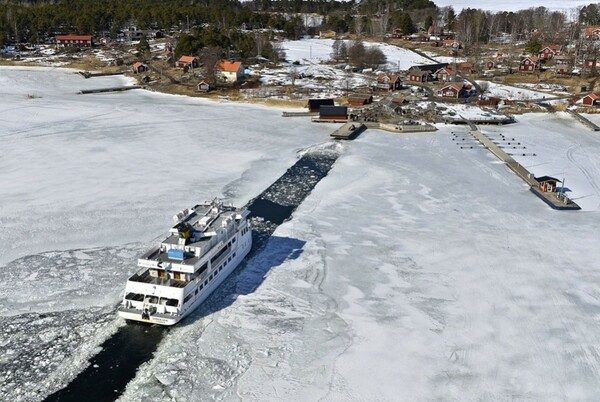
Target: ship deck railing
145, 277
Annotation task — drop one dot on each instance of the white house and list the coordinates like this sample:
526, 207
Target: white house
231, 71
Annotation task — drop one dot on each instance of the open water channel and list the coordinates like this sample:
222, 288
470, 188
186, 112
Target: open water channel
116, 364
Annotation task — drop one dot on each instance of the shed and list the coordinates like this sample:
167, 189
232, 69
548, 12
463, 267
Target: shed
360, 100
328, 112
139, 67
314, 105
591, 99
547, 184
488, 101
203, 86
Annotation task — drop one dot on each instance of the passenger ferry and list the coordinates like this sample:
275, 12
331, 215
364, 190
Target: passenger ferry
206, 244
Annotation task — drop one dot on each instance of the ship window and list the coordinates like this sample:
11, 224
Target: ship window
187, 298
203, 268
162, 274
210, 277
206, 282
172, 302
151, 300
233, 241
196, 292
201, 286
134, 296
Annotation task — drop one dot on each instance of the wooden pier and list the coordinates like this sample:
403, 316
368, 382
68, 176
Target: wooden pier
113, 89
348, 131
299, 114
584, 120
554, 200
87, 74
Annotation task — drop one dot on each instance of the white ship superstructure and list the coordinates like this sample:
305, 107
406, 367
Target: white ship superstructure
199, 252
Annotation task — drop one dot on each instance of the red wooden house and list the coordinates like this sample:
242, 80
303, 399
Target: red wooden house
549, 52
444, 74
529, 64
417, 75
187, 61
74, 40
388, 82
451, 90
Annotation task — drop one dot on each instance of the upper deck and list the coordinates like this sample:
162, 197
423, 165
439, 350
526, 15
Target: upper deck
197, 232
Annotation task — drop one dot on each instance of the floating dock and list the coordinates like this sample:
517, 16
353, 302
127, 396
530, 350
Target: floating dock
555, 200
403, 128
348, 131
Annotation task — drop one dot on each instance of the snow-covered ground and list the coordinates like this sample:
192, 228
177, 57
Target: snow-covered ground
319, 50
313, 68
415, 271
511, 92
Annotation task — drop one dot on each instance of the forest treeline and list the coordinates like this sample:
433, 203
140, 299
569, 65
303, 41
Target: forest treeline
219, 22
